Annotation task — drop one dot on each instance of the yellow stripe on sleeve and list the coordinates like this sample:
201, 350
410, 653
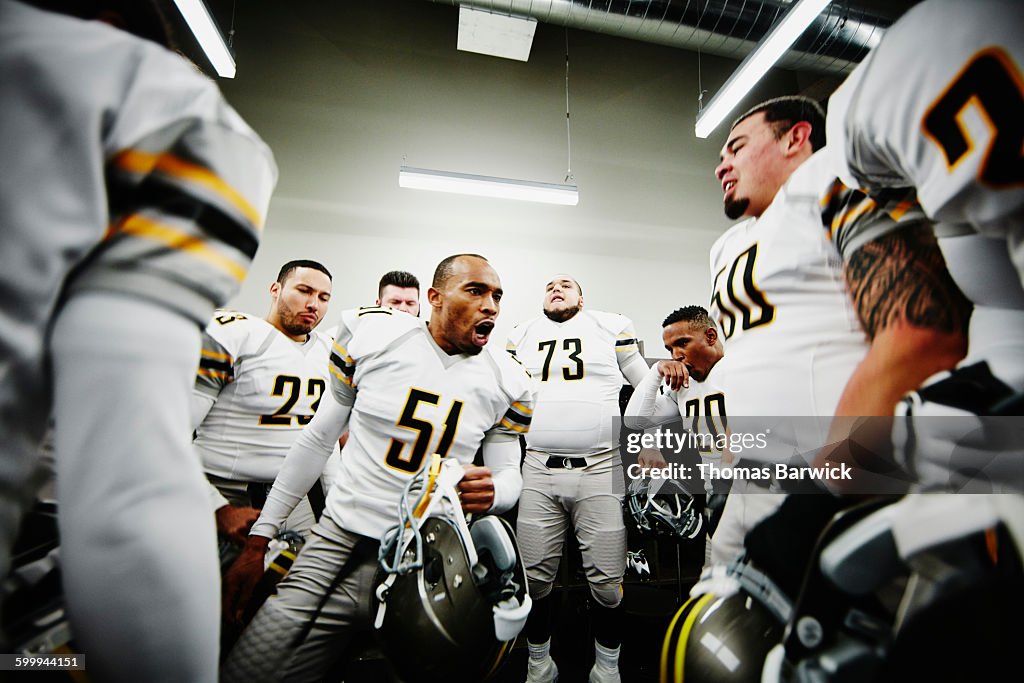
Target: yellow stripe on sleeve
138, 226
137, 161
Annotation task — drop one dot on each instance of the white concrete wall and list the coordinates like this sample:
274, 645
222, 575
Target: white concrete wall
346, 92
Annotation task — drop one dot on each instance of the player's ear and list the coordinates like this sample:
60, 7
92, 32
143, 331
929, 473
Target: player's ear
798, 136
581, 302
275, 289
435, 297
711, 335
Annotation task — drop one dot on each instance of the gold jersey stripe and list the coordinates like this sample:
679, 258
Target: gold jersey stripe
345, 379
146, 228
343, 352
519, 407
213, 374
847, 217
138, 161
522, 429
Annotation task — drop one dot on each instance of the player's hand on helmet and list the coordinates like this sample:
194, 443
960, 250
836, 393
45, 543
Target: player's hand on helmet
476, 490
675, 374
651, 458
235, 522
241, 579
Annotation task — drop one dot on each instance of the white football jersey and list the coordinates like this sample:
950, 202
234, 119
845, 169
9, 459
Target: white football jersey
578, 367
265, 387
700, 406
411, 400
938, 105
791, 335
133, 175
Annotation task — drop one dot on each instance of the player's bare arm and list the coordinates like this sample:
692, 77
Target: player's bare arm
915, 318
913, 313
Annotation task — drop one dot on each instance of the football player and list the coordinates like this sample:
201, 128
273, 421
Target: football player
691, 337
259, 382
778, 295
572, 468
954, 139
399, 290
133, 207
407, 389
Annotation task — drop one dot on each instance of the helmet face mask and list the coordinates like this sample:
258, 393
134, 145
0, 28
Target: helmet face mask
669, 515
453, 600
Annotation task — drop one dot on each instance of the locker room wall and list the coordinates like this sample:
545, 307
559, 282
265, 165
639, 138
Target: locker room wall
346, 92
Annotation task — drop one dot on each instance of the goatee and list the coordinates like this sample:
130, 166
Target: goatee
736, 208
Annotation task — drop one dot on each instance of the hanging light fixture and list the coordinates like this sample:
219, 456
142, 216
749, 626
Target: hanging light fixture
487, 186
566, 194
757, 63
208, 35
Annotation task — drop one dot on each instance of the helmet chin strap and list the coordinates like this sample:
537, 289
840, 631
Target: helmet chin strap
440, 499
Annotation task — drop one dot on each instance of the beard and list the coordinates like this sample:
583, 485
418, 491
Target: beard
562, 315
736, 208
296, 327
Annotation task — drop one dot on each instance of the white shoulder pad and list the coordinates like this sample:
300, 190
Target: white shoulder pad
372, 328
234, 329
514, 379
612, 322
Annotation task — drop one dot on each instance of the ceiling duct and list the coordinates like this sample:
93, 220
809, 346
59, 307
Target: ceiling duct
833, 44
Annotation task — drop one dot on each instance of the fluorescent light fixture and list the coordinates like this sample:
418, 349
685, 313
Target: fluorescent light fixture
210, 39
487, 186
498, 35
757, 63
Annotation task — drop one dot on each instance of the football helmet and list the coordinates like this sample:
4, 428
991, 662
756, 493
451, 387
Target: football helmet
655, 514
734, 616
888, 596
451, 596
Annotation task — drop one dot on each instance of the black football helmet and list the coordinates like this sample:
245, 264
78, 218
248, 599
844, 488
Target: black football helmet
657, 514
451, 596
723, 633
930, 587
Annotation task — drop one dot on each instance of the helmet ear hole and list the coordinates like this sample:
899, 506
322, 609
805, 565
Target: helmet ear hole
433, 569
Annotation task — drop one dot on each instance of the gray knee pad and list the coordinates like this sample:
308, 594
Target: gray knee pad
606, 594
539, 590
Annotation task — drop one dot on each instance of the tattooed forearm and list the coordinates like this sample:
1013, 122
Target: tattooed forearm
902, 276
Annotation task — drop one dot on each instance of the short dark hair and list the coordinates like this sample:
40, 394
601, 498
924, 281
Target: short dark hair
785, 112
397, 278
445, 267
287, 268
695, 315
